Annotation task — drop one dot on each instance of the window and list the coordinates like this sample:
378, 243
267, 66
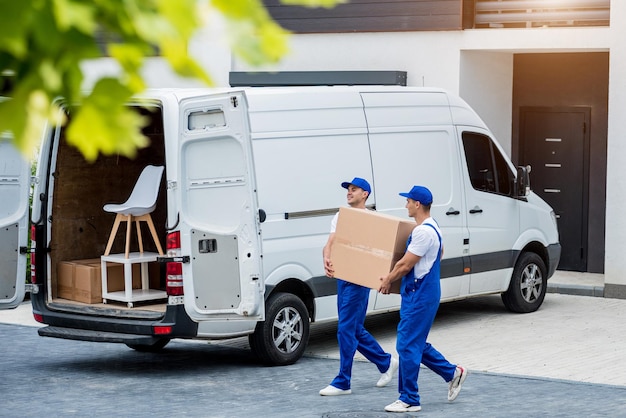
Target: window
487, 168
207, 119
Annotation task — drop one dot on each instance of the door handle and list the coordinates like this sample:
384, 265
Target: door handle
453, 211
476, 210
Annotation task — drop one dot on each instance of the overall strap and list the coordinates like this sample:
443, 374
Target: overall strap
438, 235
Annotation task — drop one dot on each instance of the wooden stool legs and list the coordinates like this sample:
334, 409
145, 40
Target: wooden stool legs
129, 223
116, 225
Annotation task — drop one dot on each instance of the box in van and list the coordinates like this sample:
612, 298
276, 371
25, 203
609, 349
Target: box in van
251, 184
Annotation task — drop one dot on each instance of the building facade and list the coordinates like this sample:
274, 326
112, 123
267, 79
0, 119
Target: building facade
547, 76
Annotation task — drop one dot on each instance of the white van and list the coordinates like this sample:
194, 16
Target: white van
252, 180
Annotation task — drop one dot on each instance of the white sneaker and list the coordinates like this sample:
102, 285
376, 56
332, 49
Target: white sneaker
460, 374
386, 377
330, 390
399, 406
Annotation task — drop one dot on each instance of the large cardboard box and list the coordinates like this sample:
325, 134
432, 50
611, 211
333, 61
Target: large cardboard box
367, 245
81, 280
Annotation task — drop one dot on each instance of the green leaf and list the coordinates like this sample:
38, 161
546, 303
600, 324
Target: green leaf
44, 42
130, 57
255, 36
176, 54
259, 44
71, 14
182, 15
14, 22
102, 123
50, 75
26, 115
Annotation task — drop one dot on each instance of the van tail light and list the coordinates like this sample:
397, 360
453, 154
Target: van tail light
33, 274
174, 270
162, 329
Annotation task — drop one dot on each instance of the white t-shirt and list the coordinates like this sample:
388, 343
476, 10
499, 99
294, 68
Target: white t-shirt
333, 223
424, 243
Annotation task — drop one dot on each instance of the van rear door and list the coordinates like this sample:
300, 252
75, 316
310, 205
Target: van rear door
14, 189
219, 222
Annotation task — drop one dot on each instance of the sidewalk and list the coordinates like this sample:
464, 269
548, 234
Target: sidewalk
576, 283
571, 337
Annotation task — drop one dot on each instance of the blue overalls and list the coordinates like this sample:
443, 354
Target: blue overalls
352, 335
420, 301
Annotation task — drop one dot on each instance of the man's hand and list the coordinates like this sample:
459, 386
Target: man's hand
385, 285
328, 268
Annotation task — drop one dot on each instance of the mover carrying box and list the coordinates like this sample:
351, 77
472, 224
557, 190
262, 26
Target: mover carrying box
367, 245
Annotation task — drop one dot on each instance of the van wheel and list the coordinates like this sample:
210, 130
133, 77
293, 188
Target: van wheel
528, 284
281, 339
150, 348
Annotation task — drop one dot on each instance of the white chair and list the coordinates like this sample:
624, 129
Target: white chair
137, 208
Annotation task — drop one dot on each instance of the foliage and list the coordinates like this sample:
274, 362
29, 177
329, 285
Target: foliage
43, 42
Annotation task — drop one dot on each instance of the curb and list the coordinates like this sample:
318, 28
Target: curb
576, 290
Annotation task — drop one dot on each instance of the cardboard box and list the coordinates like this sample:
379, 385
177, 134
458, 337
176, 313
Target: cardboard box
154, 272
65, 279
115, 275
367, 245
87, 283
81, 280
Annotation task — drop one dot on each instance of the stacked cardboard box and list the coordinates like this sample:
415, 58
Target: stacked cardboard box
367, 245
81, 280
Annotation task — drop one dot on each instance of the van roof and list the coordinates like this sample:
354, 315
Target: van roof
312, 96
183, 93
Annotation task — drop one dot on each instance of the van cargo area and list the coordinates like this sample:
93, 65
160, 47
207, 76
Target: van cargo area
80, 228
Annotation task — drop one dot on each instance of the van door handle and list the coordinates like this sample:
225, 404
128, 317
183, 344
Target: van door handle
476, 210
453, 211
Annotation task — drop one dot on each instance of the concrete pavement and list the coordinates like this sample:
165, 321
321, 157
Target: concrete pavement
571, 337
61, 378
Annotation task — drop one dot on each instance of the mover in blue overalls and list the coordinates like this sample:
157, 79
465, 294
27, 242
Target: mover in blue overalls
419, 269
351, 309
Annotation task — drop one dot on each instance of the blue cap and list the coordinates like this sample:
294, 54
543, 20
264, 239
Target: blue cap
358, 182
419, 194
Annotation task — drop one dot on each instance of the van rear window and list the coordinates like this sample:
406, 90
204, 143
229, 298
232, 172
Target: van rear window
206, 120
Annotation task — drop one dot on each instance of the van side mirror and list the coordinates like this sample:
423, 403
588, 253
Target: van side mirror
522, 183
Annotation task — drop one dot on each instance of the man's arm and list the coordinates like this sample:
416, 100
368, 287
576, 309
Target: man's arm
402, 267
328, 265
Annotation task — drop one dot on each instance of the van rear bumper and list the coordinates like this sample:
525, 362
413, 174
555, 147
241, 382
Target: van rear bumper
99, 328
97, 336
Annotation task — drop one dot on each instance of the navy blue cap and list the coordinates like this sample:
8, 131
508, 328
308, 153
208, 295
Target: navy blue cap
358, 182
419, 194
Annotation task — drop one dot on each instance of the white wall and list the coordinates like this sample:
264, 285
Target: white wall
425, 56
475, 64
486, 84
615, 242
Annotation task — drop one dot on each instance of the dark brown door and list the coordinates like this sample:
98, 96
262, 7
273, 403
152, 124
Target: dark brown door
555, 143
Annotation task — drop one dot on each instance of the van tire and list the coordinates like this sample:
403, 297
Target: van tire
281, 339
150, 348
528, 284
